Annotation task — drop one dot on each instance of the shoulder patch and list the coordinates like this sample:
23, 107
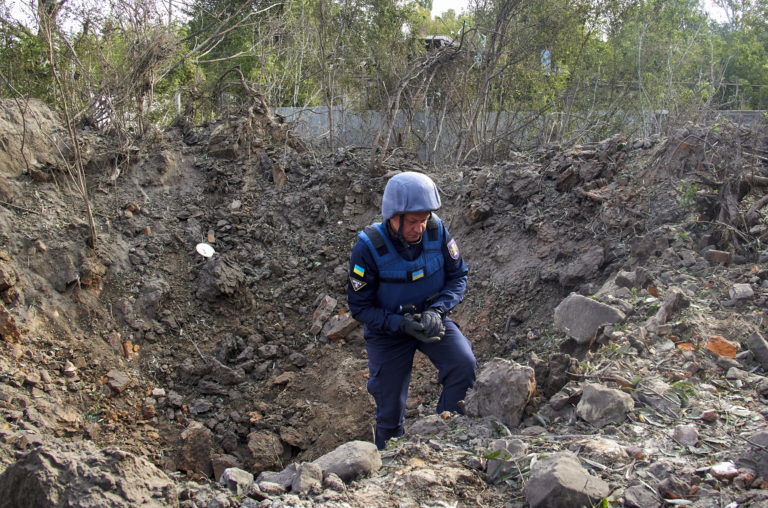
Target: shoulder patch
453, 249
359, 271
357, 284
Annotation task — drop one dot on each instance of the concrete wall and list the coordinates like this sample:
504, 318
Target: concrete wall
434, 137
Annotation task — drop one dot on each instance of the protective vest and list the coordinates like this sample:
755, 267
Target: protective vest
403, 283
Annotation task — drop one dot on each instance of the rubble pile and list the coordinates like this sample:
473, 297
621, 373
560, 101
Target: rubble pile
616, 304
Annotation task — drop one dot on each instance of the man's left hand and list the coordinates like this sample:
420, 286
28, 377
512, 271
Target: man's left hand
433, 323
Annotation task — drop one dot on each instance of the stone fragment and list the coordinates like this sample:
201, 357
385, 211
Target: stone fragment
79, 474
340, 326
222, 462
219, 278
674, 487
726, 470
559, 481
308, 478
428, 426
686, 435
351, 460
283, 478
333, 482
759, 347
239, 482
118, 380
581, 317
272, 489
640, 496
601, 406
583, 267
8, 330
8, 276
657, 394
755, 456
674, 301
266, 451
603, 449
717, 256
502, 389
741, 292
722, 347
195, 450
322, 313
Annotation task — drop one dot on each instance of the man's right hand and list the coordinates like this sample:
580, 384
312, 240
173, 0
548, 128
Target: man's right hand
411, 326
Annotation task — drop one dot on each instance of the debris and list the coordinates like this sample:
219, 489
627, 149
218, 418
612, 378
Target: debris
581, 317
559, 481
322, 313
741, 292
351, 460
722, 347
601, 406
502, 390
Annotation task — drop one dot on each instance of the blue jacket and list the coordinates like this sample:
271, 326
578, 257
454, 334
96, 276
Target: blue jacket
388, 277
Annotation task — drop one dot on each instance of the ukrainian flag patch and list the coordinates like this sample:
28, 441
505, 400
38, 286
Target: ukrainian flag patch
359, 271
418, 274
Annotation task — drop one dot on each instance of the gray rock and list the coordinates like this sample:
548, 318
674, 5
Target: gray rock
309, 478
581, 317
222, 462
219, 278
351, 460
583, 267
600, 405
756, 455
559, 481
148, 302
658, 395
78, 474
502, 390
196, 449
759, 347
333, 482
640, 496
237, 480
284, 477
271, 489
428, 426
686, 435
741, 292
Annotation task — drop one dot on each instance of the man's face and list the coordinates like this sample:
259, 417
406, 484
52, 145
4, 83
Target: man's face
413, 225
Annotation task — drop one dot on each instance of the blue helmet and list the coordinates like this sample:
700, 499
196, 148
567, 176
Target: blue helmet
409, 192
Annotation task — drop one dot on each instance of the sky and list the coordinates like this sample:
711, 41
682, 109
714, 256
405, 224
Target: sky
440, 6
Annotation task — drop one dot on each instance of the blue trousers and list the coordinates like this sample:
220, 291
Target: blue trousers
390, 360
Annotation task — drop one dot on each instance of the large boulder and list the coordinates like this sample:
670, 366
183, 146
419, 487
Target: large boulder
351, 460
502, 390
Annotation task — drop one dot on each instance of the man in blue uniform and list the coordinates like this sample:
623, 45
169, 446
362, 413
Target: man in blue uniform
405, 276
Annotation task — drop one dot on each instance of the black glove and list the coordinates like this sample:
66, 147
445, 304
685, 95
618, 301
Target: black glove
411, 326
433, 323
